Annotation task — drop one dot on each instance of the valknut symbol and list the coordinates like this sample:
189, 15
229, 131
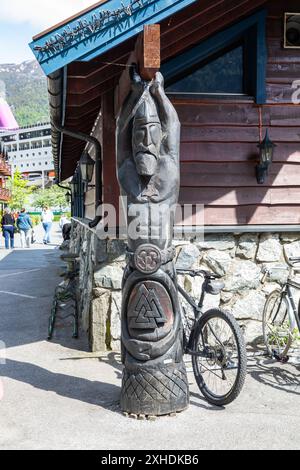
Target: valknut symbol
146, 311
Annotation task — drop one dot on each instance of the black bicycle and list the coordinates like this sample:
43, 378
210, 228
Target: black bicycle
215, 342
65, 297
281, 317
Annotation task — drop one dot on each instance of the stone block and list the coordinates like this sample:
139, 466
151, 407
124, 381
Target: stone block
109, 277
101, 250
116, 250
270, 248
269, 287
115, 321
217, 242
242, 275
226, 297
252, 331
249, 306
289, 237
188, 257
278, 272
193, 286
98, 323
218, 261
247, 246
292, 250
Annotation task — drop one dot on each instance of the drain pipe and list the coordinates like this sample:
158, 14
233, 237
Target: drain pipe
98, 163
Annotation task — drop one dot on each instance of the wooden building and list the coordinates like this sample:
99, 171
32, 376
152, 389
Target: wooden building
5, 171
232, 70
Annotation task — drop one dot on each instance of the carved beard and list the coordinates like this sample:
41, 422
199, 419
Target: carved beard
146, 163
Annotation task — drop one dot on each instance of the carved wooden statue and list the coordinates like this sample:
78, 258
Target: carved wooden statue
148, 137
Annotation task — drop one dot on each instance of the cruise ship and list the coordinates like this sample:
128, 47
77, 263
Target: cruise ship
29, 151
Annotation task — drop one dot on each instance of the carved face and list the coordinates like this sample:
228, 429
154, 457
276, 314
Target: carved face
146, 142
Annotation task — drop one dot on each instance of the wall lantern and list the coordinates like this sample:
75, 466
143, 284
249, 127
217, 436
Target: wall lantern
266, 150
86, 164
68, 197
74, 184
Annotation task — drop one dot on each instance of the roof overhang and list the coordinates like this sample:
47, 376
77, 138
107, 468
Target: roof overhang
103, 27
84, 58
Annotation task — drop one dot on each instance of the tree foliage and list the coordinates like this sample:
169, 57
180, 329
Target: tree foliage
26, 92
20, 191
50, 197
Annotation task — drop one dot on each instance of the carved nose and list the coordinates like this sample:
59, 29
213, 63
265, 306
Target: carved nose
147, 139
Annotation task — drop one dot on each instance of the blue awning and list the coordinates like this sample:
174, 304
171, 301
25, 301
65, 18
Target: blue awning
100, 29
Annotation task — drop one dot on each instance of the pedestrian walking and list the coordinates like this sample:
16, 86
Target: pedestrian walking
24, 224
47, 219
8, 229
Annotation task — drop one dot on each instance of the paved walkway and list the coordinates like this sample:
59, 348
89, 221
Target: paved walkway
56, 395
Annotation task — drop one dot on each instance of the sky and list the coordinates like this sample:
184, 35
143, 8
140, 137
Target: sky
20, 20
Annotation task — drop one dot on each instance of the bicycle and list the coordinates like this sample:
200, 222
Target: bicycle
281, 319
215, 342
65, 296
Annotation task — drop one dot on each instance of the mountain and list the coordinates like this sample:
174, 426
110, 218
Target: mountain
25, 88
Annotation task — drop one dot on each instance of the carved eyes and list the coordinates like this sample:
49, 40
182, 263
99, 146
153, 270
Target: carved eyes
149, 134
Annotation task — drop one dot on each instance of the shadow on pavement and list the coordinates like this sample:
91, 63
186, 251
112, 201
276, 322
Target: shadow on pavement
202, 403
27, 283
92, 392
283, 377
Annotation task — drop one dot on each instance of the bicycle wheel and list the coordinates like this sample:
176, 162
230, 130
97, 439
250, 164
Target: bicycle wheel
276, 325
52, 318
219, 357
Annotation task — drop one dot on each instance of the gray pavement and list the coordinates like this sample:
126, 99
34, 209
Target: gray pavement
57, 395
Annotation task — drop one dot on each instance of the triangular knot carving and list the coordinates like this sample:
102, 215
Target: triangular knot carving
147, 312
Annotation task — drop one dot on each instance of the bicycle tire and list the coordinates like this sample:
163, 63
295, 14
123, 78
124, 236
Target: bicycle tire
283, 336
52, 319
241, 369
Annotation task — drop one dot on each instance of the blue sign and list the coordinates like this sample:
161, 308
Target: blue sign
99, 30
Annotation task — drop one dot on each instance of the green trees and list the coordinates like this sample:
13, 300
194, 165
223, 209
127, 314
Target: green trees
20, 191
50, 197
24, 195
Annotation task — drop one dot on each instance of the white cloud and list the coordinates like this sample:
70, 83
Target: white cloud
41, 13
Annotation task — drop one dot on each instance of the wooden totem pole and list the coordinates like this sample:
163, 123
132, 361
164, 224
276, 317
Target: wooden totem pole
148, 137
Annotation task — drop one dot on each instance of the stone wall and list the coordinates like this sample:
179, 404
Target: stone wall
239, 259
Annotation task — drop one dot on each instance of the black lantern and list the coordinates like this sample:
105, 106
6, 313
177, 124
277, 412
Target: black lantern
266, 150
74, 183
68, 197
86, 167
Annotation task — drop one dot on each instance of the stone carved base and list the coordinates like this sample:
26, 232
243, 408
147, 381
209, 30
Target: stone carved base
158, 391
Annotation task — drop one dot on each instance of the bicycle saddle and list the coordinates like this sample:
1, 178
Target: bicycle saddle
213, 287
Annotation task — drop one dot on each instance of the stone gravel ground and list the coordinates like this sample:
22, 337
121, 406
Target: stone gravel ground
57, 395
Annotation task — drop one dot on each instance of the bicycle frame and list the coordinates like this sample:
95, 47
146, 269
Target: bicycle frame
292, 310
197, 312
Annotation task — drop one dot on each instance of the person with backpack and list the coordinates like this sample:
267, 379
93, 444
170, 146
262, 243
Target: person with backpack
8, 229
24, 224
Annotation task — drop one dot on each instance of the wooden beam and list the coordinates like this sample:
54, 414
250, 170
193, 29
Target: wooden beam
146, 55
149, 55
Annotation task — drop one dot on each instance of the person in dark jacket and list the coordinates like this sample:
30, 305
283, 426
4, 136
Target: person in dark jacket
24, 224
8, 229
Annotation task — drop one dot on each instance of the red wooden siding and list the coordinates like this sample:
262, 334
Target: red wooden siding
219, 145
87, 82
